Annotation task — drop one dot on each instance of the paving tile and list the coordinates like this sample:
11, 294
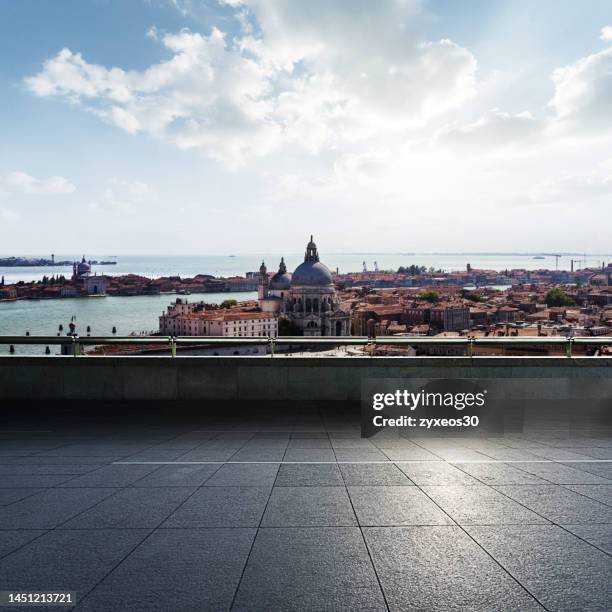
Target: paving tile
601, 493
309, 443
72, 469
500, 473
481, 505
187, 570
259, 454
561, 474
12, 540
12, 481
132, 508
221, 507
10, 496
374, 474
395, 505
111, 476
310, 454
309, 475
559, 504
603, 470
560, 570
436, 473
50, 508
409, 454
323, 569
361, 443
244, 475
180, 475
309, 506
67, 560
359, 454
441, 568
598, 535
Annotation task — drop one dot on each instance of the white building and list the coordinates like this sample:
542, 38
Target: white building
184, 318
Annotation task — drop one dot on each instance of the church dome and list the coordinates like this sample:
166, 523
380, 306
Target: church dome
311, 272
83, 267
281, 280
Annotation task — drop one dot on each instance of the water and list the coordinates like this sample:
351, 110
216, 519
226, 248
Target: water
223, 265
128, 314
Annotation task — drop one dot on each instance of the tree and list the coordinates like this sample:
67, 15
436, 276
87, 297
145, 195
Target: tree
558, 297
228, 303
433, 297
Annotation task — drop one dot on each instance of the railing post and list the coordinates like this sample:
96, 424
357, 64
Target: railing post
568, 347
173, 346
272, 345
76, 347
470, 347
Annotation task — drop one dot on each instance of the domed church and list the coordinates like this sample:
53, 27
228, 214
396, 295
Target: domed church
307, 298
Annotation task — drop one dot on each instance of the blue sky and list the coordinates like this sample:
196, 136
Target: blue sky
199, 126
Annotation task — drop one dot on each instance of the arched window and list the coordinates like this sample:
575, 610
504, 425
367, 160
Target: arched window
308, 305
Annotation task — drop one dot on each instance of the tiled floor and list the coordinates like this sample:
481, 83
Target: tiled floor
297, 512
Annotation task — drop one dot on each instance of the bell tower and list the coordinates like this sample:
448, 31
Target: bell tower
263, 283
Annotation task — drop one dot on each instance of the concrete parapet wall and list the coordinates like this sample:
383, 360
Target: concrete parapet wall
253, 378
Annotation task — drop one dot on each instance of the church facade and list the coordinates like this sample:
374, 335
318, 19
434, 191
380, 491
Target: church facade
307, 299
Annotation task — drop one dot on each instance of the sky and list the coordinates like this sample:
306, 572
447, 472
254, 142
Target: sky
242, 126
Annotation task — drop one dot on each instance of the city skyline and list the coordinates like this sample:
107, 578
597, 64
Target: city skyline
186, 127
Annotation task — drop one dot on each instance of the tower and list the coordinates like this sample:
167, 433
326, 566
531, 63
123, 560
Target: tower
263, 283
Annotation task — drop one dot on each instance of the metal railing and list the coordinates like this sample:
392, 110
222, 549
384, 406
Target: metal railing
74, 344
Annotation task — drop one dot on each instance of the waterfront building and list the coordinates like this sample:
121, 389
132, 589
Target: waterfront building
306, 299
91, 284
184, 318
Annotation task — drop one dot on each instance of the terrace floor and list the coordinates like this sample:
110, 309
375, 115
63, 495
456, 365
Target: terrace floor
294, 511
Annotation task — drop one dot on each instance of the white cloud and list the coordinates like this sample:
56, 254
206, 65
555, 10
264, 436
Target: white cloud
124, 196
494, 129
606, 33
21, 182
8, 215
583, 94
316, 74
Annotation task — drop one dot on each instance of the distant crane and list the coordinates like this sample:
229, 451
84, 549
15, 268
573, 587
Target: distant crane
365, 268
375, 266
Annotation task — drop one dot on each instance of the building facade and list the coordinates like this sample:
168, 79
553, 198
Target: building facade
306, 300
91, 284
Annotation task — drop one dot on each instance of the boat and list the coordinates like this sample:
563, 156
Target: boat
539, 257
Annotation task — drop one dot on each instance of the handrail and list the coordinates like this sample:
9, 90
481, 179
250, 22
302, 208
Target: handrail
172, 342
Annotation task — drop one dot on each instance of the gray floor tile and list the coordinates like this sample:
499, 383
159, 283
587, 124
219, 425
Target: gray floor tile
132, 508
598, 535
561, 571
221, 507
374, 474
559, 504
259, 454
244, 475
309, 506
409, 454
601, 493
395, 505
187, 570
72, 469
310, 454
561, 474
604, 470
309, 475
500, 473
11, 540
180, 475
12, 481
309, 443
67, 560
436, 473
441, 568
481, 505
323, 569
10, 496
49, 508
360, 454
111, 476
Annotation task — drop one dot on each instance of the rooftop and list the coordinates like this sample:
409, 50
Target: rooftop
259, 509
